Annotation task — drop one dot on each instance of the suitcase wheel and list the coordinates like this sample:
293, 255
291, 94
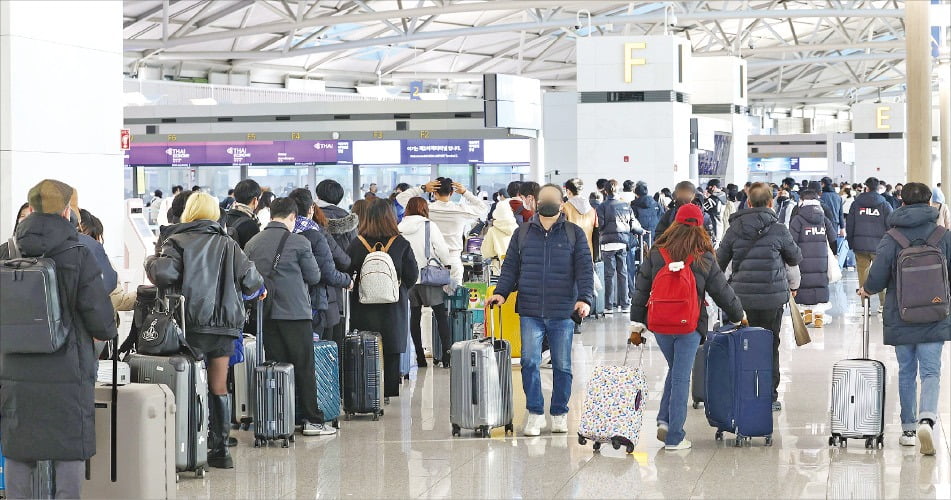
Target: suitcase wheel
597, 446
510, 429
615, 443
336, 424
769, 440
200, 472
582, 441
832, 441
285, 444
738, 441
696, 405
629, 448
346, 416
456, 430
257, 443
291, 438
177, 478
381, 413
719, 434
880, 441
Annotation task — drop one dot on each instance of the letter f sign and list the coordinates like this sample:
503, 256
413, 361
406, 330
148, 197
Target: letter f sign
630, 61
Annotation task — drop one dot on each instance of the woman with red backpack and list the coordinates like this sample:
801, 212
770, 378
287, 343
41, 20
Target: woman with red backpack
671, 285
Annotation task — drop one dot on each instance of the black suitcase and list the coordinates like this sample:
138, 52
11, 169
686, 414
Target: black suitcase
363, 374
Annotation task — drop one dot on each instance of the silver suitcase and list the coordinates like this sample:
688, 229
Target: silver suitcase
273, 395
857, 409
243, 404
187, 379
480, 384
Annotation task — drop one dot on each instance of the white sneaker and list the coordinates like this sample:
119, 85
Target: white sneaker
908, 438
534, 425
546, 360
684, 445
559, 424
608, 310
310, 429
926, 438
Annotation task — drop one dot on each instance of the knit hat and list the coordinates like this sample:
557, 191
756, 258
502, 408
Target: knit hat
50, 196
690, 215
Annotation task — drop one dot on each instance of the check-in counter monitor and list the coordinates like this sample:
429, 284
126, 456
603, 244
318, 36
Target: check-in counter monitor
138, 238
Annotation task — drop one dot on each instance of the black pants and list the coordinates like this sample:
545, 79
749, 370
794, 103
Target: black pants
292, 341
772, 320
442, 326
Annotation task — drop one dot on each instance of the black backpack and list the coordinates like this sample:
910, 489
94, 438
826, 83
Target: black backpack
922, 278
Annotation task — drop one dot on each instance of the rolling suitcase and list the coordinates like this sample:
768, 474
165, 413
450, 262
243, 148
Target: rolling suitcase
613, 407
363, 374
460, 328
327, 370
597, 310
242, 379
273, 394
187, 379
480, 384
698, 376
135, 442
739, 382
857, 406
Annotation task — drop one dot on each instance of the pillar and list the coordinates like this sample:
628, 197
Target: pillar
918, 98
61, 102
944, 91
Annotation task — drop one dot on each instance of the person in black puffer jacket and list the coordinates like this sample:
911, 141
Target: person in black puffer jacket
209, 269
646, 209
684, 192
761, 249
866, 224
46, 400
816, 236
618, 226
342, 227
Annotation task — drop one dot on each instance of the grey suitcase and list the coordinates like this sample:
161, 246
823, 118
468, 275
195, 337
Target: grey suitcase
242, 407
273, 395
480, 384
187, 379
597, 311
857, 409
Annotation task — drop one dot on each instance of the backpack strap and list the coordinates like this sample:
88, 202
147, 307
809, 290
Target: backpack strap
386, 248
13, 249
365, 243
936, 236
665, 255
900, 238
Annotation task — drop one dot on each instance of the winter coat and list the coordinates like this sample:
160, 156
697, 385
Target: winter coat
671, 215
549, 275
46, 400
815, 234
617, 223
915, 222
110, 279
243, 225
342, 225
648, 212
287, 297
211, 272
709, 277
728, 210
413, 228
833, 202
760, 249
323, 298
389, 320
867, 222
580, 213
944, 215
497, 238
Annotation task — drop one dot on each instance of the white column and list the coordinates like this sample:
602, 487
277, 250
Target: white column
944, 93
61, 106
918, 95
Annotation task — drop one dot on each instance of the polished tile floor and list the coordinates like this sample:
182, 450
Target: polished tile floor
409, 453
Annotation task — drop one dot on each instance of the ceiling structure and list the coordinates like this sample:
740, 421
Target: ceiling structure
798, 51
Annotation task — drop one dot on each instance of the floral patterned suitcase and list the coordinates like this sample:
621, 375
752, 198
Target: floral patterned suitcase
614, 406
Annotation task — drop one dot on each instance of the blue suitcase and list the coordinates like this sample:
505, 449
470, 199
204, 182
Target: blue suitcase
327, 369
739, 382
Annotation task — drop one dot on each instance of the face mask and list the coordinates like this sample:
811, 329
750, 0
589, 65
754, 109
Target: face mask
549, 208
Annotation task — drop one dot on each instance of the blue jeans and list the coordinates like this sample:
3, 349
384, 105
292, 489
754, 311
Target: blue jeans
615, 278
559, 333
679, 351
914, 360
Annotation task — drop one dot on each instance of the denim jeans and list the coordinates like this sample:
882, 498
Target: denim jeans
679, 351
559, 333
916, 360
615, 278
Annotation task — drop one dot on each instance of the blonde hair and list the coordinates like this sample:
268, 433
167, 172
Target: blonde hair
201, 206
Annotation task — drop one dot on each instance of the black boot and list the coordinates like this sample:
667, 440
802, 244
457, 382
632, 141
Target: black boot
220, 430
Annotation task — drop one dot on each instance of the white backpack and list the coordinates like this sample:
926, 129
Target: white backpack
379, 283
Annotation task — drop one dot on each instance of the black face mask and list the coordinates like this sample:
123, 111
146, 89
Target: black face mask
549, 209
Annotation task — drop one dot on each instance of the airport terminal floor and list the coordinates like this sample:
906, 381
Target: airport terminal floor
409, 453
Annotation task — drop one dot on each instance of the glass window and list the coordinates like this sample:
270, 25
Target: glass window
386, 177
458, 173
343, 174
216, 181
496, 177
164, 178
280, 180
129, 173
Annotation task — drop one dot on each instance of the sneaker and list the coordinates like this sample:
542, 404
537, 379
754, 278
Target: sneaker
662, 432
625, 309
880, 309
926, 437
908, 438
310, 429
546, 360
683, 445
777, 406
559, 424
534, 425
608, 310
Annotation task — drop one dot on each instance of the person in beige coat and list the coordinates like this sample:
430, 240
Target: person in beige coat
944, 215
497, 238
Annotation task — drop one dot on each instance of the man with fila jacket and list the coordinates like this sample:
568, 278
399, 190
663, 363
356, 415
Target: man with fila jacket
866, 224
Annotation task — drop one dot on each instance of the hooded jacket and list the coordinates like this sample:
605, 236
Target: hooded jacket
760, 249
413, 229
549, 275
322, 296
211, 272
815, 234
46, 401
342, 225
287, 297
671, 215
833, 202
647, 211
617, 222
916, 222
580, 213
867, 222
497, 238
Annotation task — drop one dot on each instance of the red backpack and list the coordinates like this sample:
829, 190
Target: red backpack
673, 306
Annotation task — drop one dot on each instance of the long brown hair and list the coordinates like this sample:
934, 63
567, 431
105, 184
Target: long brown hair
319, 216
380, 220
417, 206
683, 240
360, 208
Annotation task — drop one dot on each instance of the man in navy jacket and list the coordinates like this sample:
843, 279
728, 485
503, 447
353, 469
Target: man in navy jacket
548, 263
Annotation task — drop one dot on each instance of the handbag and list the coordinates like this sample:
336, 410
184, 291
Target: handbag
835, 272
433, 273
799, 325
160, 334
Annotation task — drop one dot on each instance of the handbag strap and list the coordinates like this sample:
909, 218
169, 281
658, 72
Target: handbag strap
280, 249
427, 241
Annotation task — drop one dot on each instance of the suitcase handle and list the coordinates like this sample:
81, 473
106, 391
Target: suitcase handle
490, 321
627, 350
866, 305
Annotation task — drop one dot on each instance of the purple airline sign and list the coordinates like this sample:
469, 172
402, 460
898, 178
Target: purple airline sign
442, 151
